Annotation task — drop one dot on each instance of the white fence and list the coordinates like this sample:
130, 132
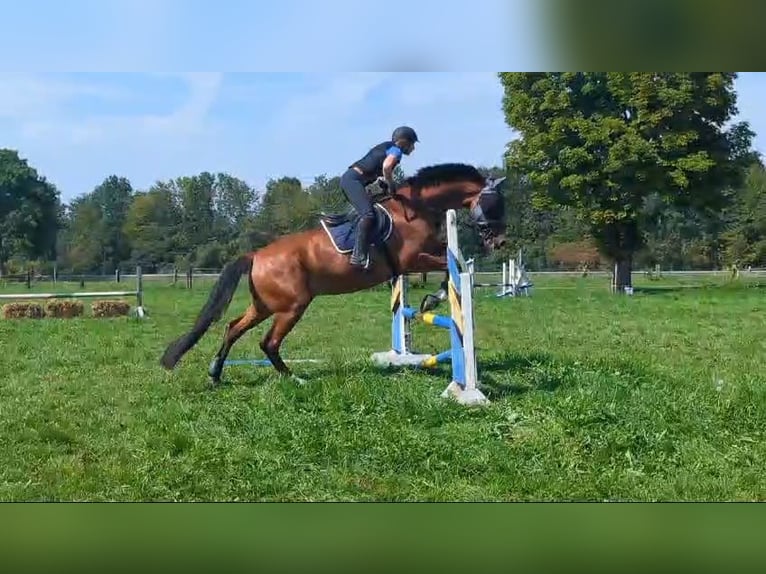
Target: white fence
208, 274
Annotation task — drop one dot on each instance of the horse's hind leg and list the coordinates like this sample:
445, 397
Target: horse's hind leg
272, 341
254, 315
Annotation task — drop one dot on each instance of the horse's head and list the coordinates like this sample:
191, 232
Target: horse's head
456, 186
488, 213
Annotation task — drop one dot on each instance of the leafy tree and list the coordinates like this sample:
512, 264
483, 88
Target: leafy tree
152, 226
84, 236
234, 202
398, 175
112, 199
210, 256
29, 209
196, 197
327, 195
745, 240
602, 143
285, 208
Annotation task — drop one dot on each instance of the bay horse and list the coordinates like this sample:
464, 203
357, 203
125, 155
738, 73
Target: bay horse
287, 274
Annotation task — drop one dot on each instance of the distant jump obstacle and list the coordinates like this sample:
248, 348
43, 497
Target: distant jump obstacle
460, 324
138, 294
515, 281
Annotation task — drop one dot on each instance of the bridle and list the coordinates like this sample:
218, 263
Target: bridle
480, 219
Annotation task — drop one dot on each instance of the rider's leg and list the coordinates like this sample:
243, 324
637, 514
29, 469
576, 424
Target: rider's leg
353, 186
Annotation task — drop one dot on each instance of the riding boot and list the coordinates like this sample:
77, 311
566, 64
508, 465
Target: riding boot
359, 257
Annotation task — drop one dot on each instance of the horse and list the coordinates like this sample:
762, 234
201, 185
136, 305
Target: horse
286, 275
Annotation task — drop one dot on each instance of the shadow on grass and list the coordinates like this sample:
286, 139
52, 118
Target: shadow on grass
719, 287
500, 375
513, 374
259, 375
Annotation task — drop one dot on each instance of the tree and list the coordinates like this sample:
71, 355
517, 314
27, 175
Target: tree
113, 198
398, 175
234, 203
93, 237
196, 197
152, 226
327, 195
29, 209
285, 208
602, 143
84, 236
745, 241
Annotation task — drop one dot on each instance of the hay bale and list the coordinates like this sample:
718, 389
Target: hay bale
64, 309
110, 308
23, 311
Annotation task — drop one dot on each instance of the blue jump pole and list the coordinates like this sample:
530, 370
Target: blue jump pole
428, 318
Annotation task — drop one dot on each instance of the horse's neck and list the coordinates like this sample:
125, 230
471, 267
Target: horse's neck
438, 198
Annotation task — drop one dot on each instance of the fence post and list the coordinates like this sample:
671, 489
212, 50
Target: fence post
139, 292
29, 278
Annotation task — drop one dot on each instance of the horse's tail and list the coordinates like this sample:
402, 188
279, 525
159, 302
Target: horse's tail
214, 308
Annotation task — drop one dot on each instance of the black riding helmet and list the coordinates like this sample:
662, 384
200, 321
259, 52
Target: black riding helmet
404, 133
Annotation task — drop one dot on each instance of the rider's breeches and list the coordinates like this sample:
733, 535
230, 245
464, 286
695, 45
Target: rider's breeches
352, 185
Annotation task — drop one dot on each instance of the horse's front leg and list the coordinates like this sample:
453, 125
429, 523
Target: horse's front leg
432, 262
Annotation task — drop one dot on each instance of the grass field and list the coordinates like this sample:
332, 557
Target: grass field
659, 396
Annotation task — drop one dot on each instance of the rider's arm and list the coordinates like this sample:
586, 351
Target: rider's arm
393, 155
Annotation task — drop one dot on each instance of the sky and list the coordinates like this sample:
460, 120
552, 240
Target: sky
146, 124
77, 129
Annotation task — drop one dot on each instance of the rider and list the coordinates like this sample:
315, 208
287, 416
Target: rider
379, 162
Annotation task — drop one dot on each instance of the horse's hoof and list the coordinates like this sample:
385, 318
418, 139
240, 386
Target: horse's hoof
214, 371
296, 379
433, 300
429, 303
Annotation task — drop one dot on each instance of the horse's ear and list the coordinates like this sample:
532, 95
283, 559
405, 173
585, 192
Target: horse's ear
494, 184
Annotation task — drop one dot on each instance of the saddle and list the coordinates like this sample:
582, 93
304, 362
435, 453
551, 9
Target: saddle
341, 228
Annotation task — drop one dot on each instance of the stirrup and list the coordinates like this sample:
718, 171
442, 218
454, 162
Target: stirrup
357, 259
361, 264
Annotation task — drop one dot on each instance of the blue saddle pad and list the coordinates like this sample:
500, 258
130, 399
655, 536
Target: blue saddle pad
341, 228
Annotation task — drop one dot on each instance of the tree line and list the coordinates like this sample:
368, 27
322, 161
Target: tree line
633, 169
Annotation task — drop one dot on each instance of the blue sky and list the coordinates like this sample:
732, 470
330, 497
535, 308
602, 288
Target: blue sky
78, 128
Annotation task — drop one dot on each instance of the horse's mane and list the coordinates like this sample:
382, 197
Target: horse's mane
444, 173
407, 193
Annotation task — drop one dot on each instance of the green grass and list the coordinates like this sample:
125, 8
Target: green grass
659, 396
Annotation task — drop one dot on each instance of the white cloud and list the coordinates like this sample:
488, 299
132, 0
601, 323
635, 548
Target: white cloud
324, 129
192, 116
36, 105
329, 102
446, 89
29, 96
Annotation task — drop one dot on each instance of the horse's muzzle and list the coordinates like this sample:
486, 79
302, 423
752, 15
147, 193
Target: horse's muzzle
499, 241
492, 240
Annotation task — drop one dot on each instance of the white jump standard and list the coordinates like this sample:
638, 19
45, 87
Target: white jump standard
460, 324
515, 280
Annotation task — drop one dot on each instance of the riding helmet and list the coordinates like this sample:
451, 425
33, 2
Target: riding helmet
406, 133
